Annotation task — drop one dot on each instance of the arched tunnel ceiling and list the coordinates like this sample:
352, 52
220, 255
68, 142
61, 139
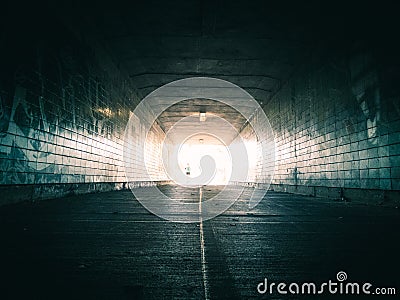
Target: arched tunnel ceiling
161, 41
215, 111
255, 44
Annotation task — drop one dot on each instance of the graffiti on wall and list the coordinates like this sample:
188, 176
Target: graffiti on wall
46, 103
365, 88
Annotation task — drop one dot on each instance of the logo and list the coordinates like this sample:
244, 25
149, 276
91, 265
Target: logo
330, 287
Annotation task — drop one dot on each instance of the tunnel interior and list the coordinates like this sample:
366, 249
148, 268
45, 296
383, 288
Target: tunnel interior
198, 127
274, 126
73, 73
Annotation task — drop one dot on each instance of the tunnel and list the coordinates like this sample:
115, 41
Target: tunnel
197, 149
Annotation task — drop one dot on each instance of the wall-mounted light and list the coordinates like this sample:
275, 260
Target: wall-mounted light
107, 112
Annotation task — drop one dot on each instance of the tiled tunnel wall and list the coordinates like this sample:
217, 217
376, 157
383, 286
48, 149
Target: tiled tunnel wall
63, 115
62, 119
337, 127
259, 138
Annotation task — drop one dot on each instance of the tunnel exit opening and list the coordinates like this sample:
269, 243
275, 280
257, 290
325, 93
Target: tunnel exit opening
195, 148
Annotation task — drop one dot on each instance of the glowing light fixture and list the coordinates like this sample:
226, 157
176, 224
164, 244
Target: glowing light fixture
105, 111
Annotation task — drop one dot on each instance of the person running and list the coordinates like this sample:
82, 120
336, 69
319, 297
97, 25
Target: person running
187, 169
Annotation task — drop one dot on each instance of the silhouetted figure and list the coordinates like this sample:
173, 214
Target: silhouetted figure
187, 169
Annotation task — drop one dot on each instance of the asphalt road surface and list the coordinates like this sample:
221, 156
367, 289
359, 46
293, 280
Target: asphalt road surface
107, 246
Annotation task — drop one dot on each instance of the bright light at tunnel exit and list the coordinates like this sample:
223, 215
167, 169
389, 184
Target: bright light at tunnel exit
194, 148
191, 152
